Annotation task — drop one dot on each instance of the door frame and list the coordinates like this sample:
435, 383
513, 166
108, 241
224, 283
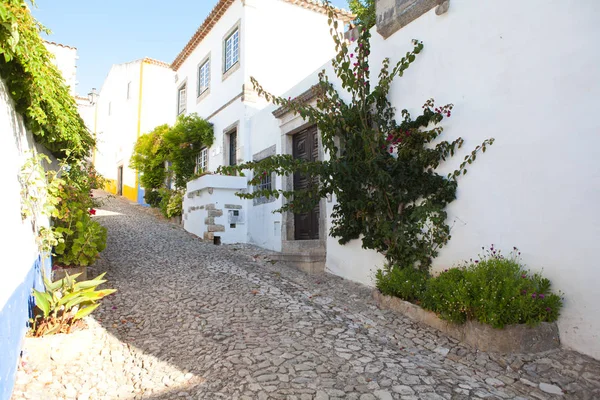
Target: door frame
120, 180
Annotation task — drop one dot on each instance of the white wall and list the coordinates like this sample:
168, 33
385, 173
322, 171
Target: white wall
285, 43
117, 131
215, 192
524, 73
65, 59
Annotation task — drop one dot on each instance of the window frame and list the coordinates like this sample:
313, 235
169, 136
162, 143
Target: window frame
200, 94
202, 158
235, 45
226, 70
181, 110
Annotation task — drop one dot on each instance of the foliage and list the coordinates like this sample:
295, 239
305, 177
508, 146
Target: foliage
494, 290
36, 85
64, 302
165, 197
184, 142
175, 204
149, 156
381, 171
152, 197
405, 283
37, 183
83, 238
364, 11
180, 145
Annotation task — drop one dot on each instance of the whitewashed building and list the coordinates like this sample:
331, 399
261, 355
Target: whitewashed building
134, 99
536, 188
278, 42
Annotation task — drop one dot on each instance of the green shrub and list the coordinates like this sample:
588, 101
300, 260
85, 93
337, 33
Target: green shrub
449, 295
152, 197
64, 302
175, 204
494, 290
405, 283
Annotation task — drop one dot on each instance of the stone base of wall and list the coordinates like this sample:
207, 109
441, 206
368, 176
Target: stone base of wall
511, 339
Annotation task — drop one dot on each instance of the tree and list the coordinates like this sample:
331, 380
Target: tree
364, 11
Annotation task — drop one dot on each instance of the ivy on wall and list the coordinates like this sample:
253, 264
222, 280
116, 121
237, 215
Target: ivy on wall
382, 170
37, 86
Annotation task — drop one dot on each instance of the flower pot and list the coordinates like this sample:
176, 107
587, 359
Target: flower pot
60, 272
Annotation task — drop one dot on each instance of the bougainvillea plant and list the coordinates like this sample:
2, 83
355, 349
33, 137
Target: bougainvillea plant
381, 170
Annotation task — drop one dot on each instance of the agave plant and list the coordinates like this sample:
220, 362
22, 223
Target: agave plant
64, 302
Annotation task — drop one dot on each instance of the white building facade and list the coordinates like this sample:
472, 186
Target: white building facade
536, 188
134, 99
278, 42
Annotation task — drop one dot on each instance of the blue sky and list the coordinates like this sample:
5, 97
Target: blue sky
115, 31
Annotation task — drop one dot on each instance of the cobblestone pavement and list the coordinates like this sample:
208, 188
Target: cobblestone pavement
192, 320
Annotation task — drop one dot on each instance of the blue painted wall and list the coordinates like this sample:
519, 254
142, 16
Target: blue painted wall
141, 192
13, 324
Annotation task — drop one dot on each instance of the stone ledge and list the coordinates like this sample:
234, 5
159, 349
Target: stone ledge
393, 15
511, 339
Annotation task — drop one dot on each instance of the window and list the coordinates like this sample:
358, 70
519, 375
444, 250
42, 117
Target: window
232, 49
265, 182
204, 77
181, 99
128, 90
202, 161
109, 107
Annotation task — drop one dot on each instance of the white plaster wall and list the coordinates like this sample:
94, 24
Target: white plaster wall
65, 59
19, 248
524, 73
221, 90
224, 191
117, 132
285, 43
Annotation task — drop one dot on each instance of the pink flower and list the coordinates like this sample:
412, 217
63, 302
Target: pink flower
351, 55
92, 211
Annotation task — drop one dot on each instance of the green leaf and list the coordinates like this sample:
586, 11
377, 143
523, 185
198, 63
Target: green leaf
42, 300
84, 312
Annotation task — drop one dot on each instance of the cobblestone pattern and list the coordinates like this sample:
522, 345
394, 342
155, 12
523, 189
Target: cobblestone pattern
196, 321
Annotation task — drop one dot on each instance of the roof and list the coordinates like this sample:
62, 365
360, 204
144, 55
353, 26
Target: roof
60, 45
223, 5
149, 60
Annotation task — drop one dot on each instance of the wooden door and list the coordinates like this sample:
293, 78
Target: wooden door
306, 147
233, 148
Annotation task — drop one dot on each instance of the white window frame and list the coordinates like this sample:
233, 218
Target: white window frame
202, 161
203, 77
182, 105
231, 49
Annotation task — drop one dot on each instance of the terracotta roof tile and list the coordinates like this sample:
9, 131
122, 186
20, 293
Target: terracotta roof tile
156, 62
60, 45
223, 5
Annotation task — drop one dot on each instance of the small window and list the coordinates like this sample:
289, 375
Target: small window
202, 161
128, 90
232, 49
181, 99
204, 77
265, 182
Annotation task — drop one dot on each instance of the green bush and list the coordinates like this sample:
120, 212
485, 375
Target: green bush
449, 295
152, 197
405, 283
494, 290
175, 204
165, 196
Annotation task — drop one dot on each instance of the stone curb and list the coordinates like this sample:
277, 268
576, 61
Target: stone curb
511, 339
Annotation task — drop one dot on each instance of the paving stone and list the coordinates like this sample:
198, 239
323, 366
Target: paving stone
197, 321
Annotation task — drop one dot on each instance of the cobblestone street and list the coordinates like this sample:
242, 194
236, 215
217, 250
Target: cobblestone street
192, 320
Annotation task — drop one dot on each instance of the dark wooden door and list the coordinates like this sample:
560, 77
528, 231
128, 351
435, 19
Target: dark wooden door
306, 147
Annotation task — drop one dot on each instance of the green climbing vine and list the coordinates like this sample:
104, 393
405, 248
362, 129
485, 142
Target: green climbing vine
36, 86
382, 171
